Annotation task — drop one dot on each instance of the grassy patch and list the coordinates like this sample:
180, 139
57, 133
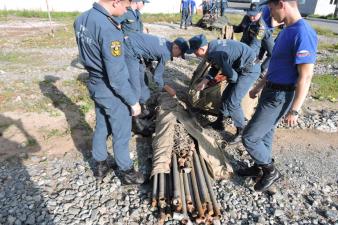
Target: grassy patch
31, 142
327, 46
323, 31
55, 133
329, 60
38, 14
330, 17
234, 19
64, 37
325, 87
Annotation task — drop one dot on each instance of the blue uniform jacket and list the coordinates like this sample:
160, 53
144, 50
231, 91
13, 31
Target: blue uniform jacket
100, 44
231, 57
151, 48
131, 21
253, 32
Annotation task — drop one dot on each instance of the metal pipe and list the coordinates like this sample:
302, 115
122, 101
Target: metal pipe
205, 198
193, 210
154, 194
168, 196
184, 203
176, 182
190, 206
217, 212
161, 193
181, 162
196, 195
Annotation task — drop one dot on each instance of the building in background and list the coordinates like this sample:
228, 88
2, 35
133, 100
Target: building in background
318, 7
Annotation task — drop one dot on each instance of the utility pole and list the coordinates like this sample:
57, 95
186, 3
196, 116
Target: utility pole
50, 19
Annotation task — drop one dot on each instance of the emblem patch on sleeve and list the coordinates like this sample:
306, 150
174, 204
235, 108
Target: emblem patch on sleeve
116, 48
260, 34
303, 53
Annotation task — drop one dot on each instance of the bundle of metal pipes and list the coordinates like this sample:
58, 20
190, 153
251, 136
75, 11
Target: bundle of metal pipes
185, 193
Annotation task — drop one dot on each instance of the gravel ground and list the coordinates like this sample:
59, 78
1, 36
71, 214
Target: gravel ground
60, 189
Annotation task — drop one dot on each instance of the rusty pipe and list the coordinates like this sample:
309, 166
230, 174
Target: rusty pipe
190, 206
168, 196
154, 194
205, 198
193, 211
181, 162
185, 218
217, 212
161, 193
196, 195
176, 183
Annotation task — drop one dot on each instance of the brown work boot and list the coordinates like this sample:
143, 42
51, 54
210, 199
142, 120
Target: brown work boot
132, 176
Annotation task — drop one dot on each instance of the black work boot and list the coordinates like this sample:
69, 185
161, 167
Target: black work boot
101, 169
132, 176
237, 137
270, 175
218, 123
253, 171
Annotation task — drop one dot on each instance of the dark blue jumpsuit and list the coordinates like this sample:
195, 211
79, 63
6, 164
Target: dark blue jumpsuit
256, 34
100, 44
224, 5
236, 62
131, 22
150, 48
186, 10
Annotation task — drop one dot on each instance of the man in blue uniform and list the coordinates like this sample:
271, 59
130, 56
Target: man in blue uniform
146, 47
284, 89
205, 7
236, 62
224, 5
100, 44
256, 33
185, 13
193, 10
131, 21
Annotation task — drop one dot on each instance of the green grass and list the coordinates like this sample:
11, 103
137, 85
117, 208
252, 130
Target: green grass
324, 31
327, 46
325, 87
38, 14
330, 17
329, 60
9, 57
234, 19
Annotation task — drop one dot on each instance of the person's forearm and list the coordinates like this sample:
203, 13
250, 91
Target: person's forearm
303, 85
260, 85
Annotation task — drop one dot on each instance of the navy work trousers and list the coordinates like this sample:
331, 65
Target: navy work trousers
258, 134
235, 92
112, 118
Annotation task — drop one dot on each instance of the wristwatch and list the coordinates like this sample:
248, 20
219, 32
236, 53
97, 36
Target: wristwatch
294, 112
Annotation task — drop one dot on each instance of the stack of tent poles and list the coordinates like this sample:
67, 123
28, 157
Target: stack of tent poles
186, 193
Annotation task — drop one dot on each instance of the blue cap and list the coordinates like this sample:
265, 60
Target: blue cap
183, 45
196, 42
253, 10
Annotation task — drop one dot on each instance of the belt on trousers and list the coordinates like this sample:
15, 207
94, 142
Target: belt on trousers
280, 87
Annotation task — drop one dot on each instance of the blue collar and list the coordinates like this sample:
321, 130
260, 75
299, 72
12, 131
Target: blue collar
100, 8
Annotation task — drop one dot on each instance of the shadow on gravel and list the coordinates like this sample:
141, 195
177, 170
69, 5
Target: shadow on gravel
21, 201
79, 128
